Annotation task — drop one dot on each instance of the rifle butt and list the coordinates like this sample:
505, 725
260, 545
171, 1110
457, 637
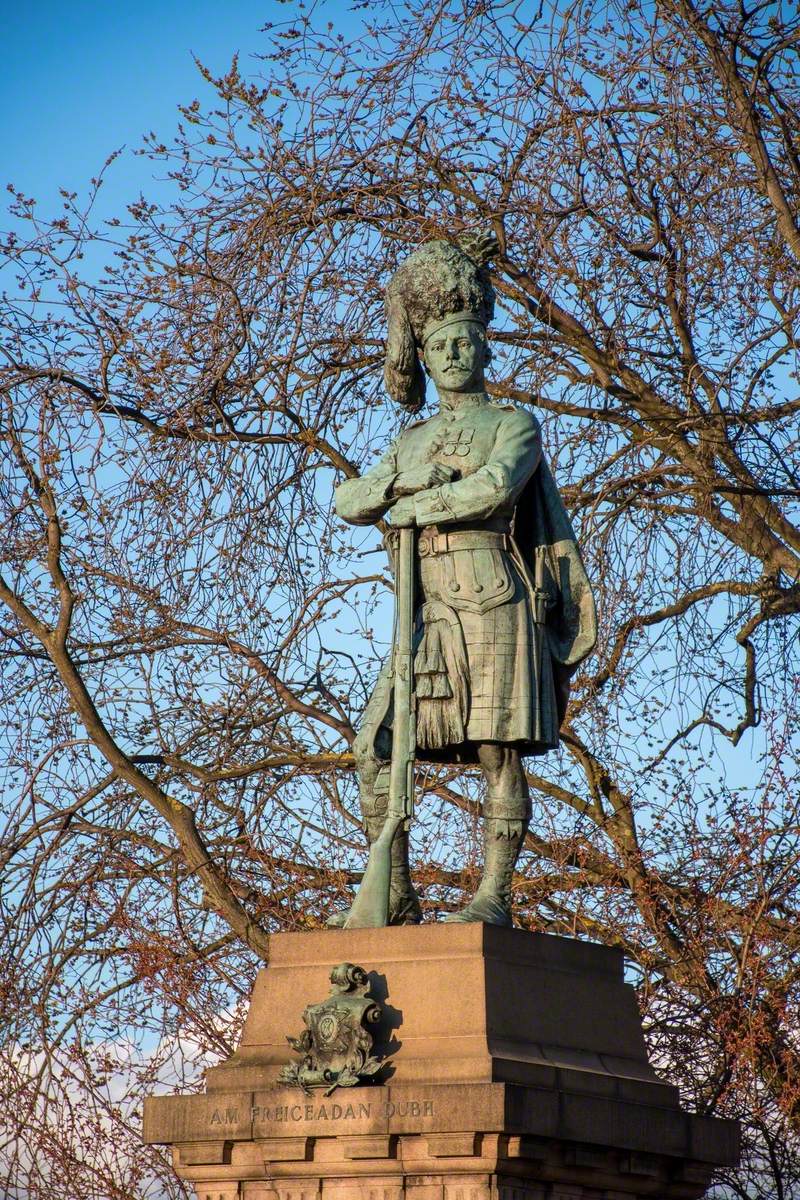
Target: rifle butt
370, 907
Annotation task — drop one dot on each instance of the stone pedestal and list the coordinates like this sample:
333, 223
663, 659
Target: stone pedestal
515, 1069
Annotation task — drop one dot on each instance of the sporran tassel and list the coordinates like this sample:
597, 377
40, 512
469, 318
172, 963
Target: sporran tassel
441, 672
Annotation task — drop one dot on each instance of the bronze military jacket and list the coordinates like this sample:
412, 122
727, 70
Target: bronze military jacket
482, 648
495, 448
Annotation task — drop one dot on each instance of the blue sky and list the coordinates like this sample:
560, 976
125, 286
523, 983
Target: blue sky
81, 79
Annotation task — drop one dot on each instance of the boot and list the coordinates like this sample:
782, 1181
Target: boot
404, 906
491, 904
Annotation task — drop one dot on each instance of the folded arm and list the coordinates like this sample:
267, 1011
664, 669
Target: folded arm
363, 501
498, 484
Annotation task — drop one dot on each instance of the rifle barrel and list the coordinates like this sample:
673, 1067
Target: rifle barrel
401, 779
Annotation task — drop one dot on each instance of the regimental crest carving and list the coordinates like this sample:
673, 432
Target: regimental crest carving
336, 1045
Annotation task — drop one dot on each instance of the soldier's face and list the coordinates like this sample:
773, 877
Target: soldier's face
456, 356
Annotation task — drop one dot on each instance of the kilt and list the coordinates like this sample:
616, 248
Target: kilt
510, 692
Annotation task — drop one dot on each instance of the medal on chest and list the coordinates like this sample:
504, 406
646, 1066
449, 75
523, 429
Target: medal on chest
453, 444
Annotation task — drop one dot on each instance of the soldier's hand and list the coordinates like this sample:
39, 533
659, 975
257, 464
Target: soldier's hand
419, 479
403, 513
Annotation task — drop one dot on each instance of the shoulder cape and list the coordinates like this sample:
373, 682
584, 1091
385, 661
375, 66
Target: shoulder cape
543, 528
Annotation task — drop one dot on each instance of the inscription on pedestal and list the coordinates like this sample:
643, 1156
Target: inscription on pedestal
323, 1111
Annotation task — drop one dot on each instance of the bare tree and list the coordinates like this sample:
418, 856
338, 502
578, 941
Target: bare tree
189, 634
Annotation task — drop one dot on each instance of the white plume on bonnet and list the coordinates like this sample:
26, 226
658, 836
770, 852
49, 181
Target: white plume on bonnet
435, 282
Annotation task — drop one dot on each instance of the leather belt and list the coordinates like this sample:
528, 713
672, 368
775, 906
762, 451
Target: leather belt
461, 539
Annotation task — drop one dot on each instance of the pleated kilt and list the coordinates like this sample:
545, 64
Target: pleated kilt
510, 689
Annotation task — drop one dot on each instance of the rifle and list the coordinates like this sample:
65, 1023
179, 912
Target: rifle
370, 908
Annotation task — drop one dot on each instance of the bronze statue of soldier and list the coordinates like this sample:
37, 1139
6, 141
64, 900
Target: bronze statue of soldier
504, 611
